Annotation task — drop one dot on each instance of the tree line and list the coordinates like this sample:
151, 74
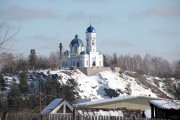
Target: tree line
9, 63
148, 65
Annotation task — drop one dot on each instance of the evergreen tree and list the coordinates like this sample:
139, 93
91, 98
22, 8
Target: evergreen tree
32, 59
23, 83
52, 88
111, 92
2, 82
14, 99
3, 102
66, 92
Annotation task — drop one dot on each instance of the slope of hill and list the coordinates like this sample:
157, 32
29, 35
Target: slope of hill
106, 84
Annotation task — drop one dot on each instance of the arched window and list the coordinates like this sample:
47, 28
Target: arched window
75, 48
94, 63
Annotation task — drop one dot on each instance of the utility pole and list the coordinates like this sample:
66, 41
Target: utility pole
60, 55
42, 93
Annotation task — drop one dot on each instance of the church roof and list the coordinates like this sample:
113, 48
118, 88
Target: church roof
66, 53
90, 29
83, 53
76, 41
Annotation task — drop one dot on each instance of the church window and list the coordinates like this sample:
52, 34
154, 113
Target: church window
75, 48
77, 64
92, 43
73, 63
94, 63
99, 63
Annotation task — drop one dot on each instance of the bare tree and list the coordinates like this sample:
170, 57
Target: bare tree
53, 58
8, 63
5, 36
177, 69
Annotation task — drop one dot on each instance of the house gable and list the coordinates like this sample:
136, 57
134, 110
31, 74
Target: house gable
64, 106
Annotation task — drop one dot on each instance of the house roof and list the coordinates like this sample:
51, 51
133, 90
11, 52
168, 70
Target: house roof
102, 101
51, 106
166, 104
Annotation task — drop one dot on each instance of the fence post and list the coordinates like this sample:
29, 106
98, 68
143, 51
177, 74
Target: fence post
74, 114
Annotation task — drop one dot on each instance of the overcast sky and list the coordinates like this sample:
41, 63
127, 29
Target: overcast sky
122, 26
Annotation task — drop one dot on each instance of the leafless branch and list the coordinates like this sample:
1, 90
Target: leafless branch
6, 38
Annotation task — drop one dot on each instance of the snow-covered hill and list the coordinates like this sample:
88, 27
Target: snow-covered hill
95, 87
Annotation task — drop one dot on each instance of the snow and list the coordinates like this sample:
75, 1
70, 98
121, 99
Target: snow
166, 104
161, 86
51, 106
92, 87
102, 113
147, 113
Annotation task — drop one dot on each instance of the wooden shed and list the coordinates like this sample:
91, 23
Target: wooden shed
165, 109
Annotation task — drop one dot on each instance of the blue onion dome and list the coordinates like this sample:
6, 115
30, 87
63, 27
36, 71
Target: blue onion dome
76, 41
90, 29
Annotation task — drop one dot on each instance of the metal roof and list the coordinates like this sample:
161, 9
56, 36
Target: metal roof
76, 41
90, 29
83, 53
51, 106
166, 104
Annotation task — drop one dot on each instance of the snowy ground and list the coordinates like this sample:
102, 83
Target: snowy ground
92, 87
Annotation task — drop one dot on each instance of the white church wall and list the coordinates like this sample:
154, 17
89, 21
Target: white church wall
84, 59
94, 57
80, 49
89, 38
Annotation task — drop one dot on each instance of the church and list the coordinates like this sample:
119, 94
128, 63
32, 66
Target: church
84, 55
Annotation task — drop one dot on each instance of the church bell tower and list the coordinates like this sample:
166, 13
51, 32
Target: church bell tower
90, 39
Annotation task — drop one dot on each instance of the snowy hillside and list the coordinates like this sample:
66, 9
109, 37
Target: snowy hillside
96, 87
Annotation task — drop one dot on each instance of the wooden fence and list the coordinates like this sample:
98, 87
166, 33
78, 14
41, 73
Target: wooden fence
57, 116
22, 116
60, 116
87, 117
94, 117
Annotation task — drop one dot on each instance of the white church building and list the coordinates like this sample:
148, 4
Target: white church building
85, 56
